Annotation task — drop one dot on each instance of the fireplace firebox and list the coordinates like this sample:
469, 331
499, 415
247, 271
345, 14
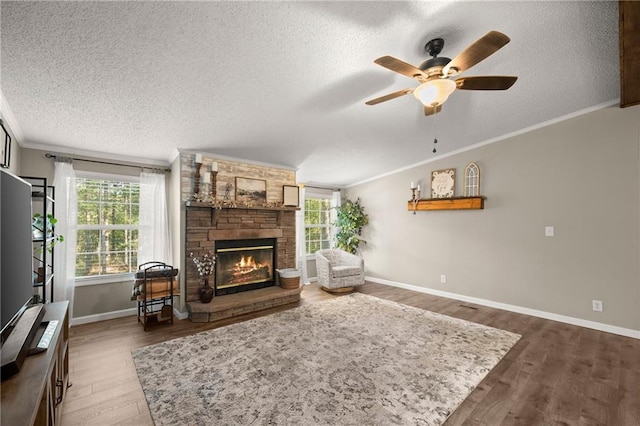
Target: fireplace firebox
243, 265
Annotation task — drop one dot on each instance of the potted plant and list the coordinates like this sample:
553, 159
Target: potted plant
351, 219
43, 231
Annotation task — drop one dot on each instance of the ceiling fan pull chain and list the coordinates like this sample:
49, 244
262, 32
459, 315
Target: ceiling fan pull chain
435, 132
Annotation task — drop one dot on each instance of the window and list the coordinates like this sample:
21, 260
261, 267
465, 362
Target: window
107, 240
317, 221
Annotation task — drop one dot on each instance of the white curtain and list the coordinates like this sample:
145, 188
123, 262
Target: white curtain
66, 211
154, 240
336, 201
300, 239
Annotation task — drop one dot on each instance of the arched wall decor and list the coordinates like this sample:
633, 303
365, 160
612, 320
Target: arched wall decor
472, 180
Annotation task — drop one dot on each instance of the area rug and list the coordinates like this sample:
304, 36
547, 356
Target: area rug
353, 360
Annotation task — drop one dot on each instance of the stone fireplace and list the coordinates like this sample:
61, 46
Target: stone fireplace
229, 224
267, 235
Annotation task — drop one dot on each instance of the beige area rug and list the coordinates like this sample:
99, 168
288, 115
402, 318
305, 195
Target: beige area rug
353, 360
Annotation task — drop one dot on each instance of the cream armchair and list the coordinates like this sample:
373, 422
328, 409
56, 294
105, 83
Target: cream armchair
338, 270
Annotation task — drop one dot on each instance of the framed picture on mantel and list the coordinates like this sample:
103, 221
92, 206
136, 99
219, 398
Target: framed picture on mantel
251, 190
291, 195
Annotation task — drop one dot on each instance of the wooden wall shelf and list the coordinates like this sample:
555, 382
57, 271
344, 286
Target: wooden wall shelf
455, 203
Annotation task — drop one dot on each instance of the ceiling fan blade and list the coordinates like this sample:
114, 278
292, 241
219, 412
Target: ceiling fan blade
428, 110
481, 49
389, 96
494, 82
399, 66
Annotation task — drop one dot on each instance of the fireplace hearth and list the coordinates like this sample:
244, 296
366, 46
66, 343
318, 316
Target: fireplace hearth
244, 265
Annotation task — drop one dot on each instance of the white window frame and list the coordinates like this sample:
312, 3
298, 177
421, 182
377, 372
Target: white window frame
312, 195
111, 278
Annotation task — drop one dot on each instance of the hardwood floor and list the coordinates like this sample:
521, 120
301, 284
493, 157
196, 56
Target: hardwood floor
557, 374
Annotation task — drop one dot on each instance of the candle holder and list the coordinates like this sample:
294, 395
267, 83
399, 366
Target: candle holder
415, 197
214, 191
196, 183
227, 192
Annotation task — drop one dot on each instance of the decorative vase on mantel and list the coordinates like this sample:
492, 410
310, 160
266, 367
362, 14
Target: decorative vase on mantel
206, 291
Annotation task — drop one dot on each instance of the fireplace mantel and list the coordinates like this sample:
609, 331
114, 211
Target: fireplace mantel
209, 205
215, 210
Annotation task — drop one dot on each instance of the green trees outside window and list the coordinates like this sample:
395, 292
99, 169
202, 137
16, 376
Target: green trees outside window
107, 240
317, 219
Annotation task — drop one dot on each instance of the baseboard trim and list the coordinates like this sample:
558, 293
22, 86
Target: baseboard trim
103, 316
514, 308
181, 315
118, 314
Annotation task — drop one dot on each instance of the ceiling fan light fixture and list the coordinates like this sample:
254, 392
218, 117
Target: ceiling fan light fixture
434, 92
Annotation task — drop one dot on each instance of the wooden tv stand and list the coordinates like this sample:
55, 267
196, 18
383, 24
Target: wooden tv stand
34, 395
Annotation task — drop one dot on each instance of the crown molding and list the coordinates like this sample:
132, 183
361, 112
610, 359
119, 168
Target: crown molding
494, 140
10, 119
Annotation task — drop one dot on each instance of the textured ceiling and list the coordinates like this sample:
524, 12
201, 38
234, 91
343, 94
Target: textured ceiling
285, 82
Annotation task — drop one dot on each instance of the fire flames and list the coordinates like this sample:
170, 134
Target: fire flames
247, 264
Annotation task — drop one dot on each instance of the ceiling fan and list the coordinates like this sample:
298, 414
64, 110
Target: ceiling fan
434, 73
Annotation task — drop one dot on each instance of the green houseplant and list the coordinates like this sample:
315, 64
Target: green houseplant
47, 235
351, 218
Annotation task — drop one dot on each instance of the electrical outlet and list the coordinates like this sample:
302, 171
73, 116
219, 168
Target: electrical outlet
597, 305
443, 279
549, 231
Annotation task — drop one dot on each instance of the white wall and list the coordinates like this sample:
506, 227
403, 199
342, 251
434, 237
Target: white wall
581, 176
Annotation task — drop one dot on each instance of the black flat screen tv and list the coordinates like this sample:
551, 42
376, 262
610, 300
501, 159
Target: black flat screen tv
16, 250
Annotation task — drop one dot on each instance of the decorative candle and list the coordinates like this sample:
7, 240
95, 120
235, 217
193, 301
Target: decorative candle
199, 158
214, 166
411, 187
418, 187
207, 177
